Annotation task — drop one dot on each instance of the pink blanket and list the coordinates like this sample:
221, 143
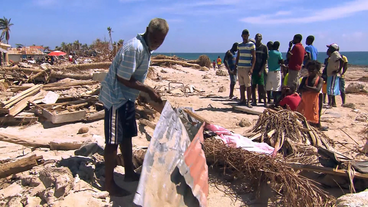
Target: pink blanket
237, 140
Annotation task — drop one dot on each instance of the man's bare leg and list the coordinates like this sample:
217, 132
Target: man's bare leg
110, 163
249, 96
126, 151
242, 94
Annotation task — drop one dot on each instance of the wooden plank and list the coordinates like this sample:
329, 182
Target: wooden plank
91, 99
327, 170
20, 96
60, 88
32, 70
65, 117
17, 108
256, 110
73, 83
19, 165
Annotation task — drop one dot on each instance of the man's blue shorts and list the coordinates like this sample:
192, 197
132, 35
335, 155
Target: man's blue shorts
120, 123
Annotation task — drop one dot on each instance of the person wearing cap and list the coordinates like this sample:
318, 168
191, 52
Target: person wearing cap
119, 90
259, 70
245, 62
229, 61
333, 68
295, 57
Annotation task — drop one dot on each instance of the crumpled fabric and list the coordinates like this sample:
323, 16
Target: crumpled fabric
239, 141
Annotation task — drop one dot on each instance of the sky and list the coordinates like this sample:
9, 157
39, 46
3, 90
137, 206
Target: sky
195, 25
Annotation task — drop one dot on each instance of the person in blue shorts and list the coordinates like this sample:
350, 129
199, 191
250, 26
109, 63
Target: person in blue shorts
119, 90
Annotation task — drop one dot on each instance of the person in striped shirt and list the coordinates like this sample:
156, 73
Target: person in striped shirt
119, 90
245, 62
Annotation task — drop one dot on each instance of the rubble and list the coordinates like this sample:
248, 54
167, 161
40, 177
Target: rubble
353, 199
356, 88
59, 178
67, 94
245, 123
221, 73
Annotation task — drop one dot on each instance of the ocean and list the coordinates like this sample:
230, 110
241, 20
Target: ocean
355, 58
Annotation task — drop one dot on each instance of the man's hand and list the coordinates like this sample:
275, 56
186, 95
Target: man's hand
250, 71
155, 96
260, 73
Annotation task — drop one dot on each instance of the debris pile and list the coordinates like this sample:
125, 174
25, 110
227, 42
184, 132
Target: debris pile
253, 170
277, 127
169, 61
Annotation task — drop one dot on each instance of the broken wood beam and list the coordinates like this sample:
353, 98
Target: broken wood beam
87, 66
65, 145
21, 141
30, 79
32, 70
326, 170
176, 62
61, 75
53, 145
19, 165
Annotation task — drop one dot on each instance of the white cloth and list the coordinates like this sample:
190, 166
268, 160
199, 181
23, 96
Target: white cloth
274, 81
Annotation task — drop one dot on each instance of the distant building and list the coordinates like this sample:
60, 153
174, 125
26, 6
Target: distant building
18, 54
4, 54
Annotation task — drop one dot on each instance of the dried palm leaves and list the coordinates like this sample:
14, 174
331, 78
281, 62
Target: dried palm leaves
275, 127
253, 170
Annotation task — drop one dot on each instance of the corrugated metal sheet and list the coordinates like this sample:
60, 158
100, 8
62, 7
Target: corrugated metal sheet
174, 171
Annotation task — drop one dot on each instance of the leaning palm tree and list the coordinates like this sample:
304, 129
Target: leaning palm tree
110, 31
5, 27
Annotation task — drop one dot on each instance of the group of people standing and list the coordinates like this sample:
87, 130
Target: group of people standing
262, 67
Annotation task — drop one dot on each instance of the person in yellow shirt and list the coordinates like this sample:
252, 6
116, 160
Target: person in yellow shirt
219, 62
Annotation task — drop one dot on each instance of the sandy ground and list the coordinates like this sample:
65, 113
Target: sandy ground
211, 104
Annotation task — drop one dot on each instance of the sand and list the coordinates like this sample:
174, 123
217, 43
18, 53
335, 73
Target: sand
212, 105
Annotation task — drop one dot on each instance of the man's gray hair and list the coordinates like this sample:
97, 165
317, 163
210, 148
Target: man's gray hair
158, 25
